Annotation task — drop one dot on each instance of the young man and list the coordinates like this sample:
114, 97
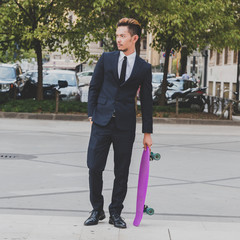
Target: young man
111, 110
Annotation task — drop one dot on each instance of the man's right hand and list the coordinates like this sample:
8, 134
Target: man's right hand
90, 119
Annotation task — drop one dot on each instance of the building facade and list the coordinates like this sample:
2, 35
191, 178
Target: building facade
222, 73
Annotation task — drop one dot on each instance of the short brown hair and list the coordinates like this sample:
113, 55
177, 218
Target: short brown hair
133, 25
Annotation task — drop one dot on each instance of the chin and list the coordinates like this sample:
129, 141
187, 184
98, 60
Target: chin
122, 49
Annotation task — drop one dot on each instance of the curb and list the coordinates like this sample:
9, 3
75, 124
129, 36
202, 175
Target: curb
82, 117
196, 121
44, 116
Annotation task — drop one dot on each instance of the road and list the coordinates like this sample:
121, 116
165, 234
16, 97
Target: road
43, 171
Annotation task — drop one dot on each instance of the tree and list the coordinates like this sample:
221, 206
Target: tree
40, 24
191, 23
102, 19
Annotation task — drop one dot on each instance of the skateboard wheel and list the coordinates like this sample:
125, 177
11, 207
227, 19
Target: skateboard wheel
155, 156
150, 211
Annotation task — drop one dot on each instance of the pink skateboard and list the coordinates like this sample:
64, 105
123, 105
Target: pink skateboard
142, 186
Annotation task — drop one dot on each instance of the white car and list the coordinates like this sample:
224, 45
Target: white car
157, 78
84, 81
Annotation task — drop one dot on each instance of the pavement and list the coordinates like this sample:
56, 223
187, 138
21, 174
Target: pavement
32, 227
44, 193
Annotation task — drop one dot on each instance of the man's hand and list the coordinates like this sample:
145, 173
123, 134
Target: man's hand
147, 141
90, 120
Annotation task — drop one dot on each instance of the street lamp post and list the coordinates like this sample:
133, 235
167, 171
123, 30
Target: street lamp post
238, 70
205, 67
193, 68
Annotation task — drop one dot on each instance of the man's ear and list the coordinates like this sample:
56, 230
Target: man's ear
135, 38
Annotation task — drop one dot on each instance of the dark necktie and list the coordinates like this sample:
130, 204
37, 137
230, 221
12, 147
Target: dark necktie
123, 71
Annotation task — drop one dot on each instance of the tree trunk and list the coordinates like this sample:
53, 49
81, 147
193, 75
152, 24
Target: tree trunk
183, 61
162, 99
38, 51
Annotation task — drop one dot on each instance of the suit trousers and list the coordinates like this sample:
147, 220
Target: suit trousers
99, 144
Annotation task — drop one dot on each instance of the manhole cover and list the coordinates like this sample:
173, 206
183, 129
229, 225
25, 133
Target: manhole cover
5, 156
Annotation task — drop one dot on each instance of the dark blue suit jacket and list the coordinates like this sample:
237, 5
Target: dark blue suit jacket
106, 95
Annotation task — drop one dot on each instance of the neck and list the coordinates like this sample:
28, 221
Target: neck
129, 52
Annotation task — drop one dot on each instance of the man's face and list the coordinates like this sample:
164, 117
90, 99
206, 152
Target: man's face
125, 42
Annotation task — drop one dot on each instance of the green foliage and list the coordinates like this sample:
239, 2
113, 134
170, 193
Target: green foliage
12, 56
102, 19
44, 106
191, 23
23, 23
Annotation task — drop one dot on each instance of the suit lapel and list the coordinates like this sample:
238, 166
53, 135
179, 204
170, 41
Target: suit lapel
115, 64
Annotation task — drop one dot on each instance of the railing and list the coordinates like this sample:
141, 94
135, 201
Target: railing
220, 106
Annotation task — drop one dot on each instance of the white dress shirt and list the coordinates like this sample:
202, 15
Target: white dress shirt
130, 62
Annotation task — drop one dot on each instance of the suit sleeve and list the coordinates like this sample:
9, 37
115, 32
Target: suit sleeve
95, 85
147, 102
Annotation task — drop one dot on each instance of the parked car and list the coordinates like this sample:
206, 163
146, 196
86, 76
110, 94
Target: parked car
157, 78
84, 81
85, 74
187, 92
31, 79
50, 84
11, 81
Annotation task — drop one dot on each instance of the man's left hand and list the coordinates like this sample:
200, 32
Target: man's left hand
147, 141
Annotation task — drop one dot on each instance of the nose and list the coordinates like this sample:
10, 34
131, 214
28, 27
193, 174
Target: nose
118, 39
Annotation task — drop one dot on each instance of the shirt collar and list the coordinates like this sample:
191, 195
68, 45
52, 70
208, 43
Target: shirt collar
129, 57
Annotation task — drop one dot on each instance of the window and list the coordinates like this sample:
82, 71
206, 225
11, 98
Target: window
219, 58
226, 90
226, 55
211, 54
57, 57
235, 56
234, 91
218, 89
196, 70
210, 88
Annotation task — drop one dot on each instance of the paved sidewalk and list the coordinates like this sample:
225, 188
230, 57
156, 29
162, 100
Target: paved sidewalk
44, 195
30, 227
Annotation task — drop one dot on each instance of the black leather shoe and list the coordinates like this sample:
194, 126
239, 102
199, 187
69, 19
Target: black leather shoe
94, 218
117, 221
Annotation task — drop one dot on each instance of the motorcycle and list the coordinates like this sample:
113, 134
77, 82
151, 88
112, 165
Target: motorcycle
192, 97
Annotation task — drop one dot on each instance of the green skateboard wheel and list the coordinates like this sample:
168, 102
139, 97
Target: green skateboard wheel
155, 156
149, 211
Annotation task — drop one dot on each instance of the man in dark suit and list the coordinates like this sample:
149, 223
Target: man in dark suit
111, 110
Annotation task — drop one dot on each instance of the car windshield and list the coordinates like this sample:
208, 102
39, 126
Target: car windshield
53, 78
35, 74
7, 72
82, 74
157, 77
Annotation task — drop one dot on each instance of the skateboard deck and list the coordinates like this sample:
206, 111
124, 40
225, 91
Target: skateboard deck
142, 185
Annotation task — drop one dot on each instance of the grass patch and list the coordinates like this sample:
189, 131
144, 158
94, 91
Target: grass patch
44, 106
76, 107
166, 111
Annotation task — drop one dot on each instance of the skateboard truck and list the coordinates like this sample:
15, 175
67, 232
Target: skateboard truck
148, 210
155, 156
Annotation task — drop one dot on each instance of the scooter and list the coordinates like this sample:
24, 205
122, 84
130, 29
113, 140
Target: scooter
190, 98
